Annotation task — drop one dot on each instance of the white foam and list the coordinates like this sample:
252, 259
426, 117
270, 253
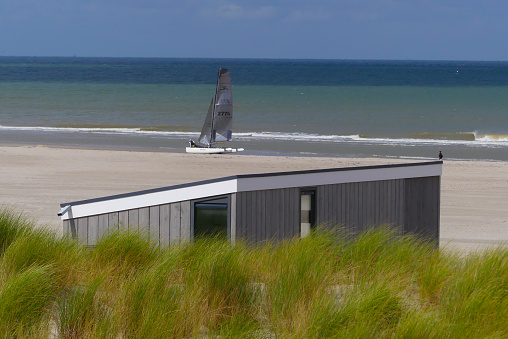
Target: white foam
492, 138
94, 130
482, 140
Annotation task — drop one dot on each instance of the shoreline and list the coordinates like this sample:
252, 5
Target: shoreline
271, 144
244, 153
36, 178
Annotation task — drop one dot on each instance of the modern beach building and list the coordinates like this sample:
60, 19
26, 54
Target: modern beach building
270, 206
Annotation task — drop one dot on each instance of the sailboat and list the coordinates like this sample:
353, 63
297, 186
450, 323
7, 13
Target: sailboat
218, 124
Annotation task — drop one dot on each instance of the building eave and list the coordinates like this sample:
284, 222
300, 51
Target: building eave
243, 183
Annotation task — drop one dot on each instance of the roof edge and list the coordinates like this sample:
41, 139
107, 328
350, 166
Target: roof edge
245, 176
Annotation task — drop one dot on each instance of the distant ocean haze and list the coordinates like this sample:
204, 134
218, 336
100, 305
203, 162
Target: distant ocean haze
314, 107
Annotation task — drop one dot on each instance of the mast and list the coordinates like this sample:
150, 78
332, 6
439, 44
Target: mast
212, 137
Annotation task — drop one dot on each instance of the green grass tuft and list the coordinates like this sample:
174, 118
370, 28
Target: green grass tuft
42, 247
25, 300
328, 285
11, 227
78, 308
123, 251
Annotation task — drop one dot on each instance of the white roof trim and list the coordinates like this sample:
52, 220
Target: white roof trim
338, 177
150, 199
244, 183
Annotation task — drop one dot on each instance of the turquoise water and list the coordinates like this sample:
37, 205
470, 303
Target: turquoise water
333, 108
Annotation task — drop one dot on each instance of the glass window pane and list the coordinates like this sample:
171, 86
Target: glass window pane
306, 202
306, 214
210, 220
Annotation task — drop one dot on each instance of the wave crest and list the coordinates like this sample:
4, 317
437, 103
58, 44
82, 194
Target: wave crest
469, 139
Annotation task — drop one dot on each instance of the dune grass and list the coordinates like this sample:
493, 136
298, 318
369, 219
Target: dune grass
328, 285
11, 226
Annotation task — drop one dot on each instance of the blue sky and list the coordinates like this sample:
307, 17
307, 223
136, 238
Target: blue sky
310, 29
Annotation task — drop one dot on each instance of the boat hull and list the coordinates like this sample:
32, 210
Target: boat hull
212, 150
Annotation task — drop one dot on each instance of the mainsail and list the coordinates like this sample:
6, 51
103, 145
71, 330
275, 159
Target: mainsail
218, 123
205, 137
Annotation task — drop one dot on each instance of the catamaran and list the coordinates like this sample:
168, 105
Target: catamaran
218, 125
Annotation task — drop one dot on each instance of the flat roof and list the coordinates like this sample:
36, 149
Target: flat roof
248, 182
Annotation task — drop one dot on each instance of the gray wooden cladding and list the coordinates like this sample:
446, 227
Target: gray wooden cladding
360, 205
268, 215
422, 207
408, 205
164, 224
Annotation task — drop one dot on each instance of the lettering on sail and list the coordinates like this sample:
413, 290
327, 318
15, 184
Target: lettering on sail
223, 114
223, 101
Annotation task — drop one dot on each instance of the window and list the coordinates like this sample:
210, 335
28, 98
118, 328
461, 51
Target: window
211, 218
308, 211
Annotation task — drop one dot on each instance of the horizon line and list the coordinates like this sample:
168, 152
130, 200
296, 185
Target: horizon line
247, 58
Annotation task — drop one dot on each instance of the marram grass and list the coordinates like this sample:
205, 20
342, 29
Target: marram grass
11, 226
25, 301
328, 285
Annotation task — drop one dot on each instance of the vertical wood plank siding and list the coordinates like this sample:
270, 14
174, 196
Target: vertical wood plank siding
133, 220
82, 230
123, 219
409, 205
154, 224
164, 217
185, 222
174, 223
164, 224
113, 221
144, 219
93, 230
422, 206
232, 235
269, 215
358, 206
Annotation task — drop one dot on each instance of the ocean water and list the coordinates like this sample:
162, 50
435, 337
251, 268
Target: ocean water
408, 109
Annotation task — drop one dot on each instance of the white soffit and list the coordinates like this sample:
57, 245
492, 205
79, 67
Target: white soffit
150, 199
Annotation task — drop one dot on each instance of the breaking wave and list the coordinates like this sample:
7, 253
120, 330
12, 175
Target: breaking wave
463, 139
470, 139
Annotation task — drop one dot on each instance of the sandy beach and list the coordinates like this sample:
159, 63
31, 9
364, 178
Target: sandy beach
35, 180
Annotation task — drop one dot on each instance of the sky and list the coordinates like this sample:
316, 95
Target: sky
294, 29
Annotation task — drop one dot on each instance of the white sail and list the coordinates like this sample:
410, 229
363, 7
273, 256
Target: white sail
218, 123
222, 122
206, 131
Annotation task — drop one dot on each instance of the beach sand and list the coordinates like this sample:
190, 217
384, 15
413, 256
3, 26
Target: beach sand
35, 180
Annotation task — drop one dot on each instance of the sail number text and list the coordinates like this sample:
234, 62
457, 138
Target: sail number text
223, 114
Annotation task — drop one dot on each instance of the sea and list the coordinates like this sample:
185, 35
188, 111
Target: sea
336, 108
